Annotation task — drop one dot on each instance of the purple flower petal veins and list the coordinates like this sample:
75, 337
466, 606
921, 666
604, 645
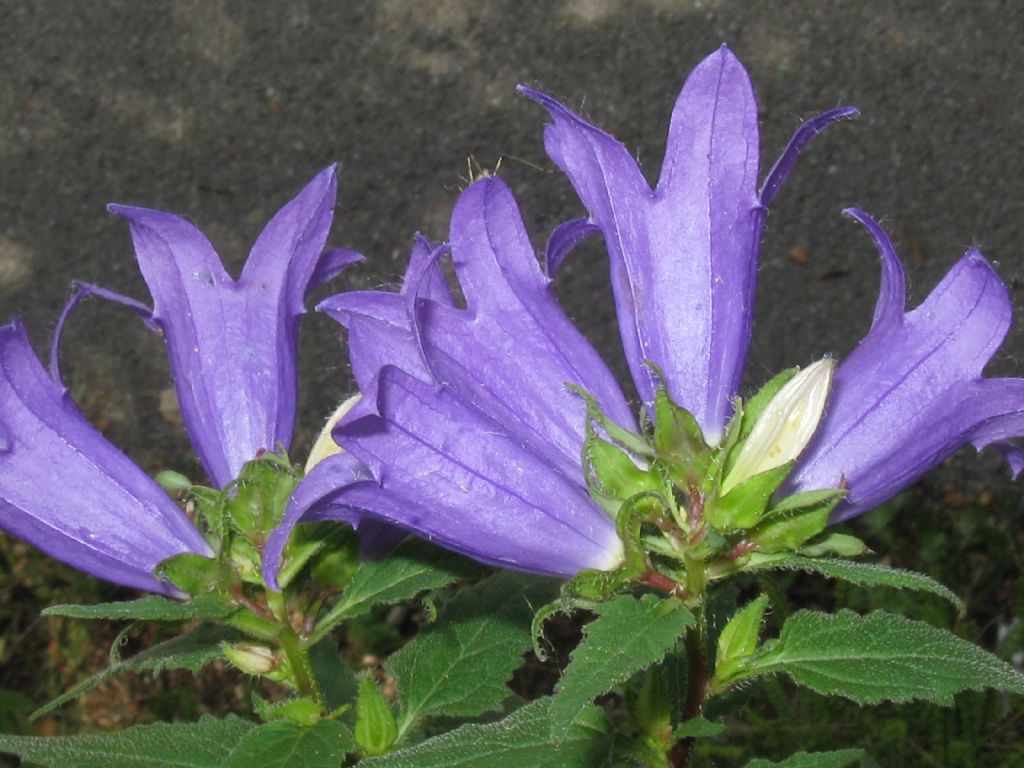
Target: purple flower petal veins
684, 254
912, 392
466, 426
232, 343
68, 491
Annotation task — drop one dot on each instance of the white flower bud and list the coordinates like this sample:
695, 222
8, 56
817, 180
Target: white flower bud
785, 426
325, 445
250, 658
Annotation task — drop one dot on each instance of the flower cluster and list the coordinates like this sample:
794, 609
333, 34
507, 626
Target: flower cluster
493, 427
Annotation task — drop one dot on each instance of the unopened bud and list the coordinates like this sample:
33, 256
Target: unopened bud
786, 425
325, 445
250, 658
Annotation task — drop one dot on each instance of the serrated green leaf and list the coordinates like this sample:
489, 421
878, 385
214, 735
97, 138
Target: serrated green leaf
336, 681
459, 665
522, 739
191, 651
839, 759
629, 635
414, 567
149, 608
203, 744
864, 574
284, 744
697, 728
881, 657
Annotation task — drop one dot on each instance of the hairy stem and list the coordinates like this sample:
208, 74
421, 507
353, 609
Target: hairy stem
298, 658
696, 690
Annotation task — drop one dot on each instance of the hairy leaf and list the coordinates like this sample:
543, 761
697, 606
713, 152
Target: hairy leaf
149, 608
284, 744
839, 759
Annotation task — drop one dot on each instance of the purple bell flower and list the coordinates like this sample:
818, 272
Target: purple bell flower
232, 343
467, 433
67, 490
684, 254
912, 392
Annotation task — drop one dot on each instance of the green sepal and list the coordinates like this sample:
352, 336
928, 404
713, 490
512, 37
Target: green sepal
376, 729
840, 544
747, 412
738, 641
260, 495
745, 505
173, 482
808, 500
628, 439
299, 710
790, 529
195, 574
612, 473
679, 440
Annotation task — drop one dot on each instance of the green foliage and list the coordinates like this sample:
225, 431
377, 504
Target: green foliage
838, 759
333, 676
413, 568
865, 574
880, 657
376, 729
629, 635
739, 639
191, 651
521, 739
745, 505
459, 666
612, 473
149, 608
697, 728
285, 744
679, 440
207, 743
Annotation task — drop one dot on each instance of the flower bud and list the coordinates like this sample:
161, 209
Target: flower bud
325, 445
786, 425
251, 659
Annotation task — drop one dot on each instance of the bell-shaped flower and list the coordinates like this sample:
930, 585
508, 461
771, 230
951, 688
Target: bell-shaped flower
68, 491
468, 433
684, 254
232, 343
912, 392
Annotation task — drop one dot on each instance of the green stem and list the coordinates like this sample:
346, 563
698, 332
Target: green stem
697, 687
302, 667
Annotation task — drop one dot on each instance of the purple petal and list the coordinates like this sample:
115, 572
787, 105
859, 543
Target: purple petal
232, 344
684, 257
477, 489
912, 392
512, 351
564, 240
67, 490
379, 331
804, 134
331, 264
84, 291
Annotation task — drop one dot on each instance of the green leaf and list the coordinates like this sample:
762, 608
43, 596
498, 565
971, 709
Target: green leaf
808, 499
522, 739
629, 635
745, 505
150, 608
414, 567
881, 657
790, 530
839, 759
376, 729
864, 574
697, 728
459, 665
337, 682
739, 638
194, 573
284, 744
190, 651
203, 744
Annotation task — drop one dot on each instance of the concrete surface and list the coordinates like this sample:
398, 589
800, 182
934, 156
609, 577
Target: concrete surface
222, 110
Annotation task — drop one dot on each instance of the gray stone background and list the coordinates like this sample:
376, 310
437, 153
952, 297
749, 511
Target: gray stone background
222, 110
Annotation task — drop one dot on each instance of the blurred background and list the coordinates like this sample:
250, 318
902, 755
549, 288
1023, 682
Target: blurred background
221, 111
